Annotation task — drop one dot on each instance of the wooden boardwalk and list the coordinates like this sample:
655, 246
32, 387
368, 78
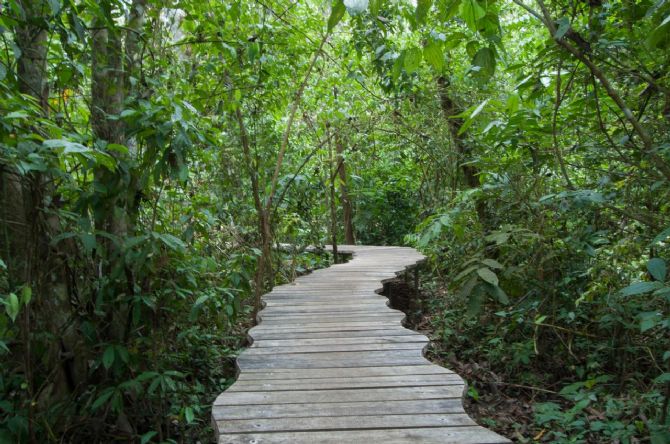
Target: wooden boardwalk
331, 363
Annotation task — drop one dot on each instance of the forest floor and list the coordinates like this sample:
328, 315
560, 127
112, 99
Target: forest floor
503, 407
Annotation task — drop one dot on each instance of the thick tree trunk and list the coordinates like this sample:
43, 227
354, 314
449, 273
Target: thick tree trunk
31, 38
19, 195
107, 93
25, 226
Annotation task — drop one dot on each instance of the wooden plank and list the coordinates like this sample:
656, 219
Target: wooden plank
344, 423
345, 382
259, 335
328, 348
256, 354
436, 435
410, 407
289, 362
343, 318
341, 341
350, 372
339, 395
330, 313
290, 308
349, 325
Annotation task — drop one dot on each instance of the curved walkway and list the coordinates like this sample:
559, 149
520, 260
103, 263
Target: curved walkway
331, 363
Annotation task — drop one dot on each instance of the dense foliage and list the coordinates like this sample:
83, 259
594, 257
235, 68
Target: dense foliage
154, 154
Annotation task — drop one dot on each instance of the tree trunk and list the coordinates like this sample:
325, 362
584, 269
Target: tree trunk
331, 175
133, 52
107, 93
470, 172
24, 237
264, 228
111, 214
20, 195
347, 210
31, 38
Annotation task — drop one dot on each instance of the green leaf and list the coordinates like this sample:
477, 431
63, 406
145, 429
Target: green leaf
465, 272
470, 120
484, 64
513, 103
147, 437
412, 60
649, 320
662, 236
640, 288
466, 290
55, 6
422, 9
471, 12
88, 241
479, 109
12, 306
26, 295
375, 6
102, 399
488, 276
68, 147
16, 115
563, 27
253, 49
3, 266
398, 65
660, 35
108, 357
657, 269
128, 113
170, 241
498, 294
336, 14
491, 263
432, 53
448, 8
189, 415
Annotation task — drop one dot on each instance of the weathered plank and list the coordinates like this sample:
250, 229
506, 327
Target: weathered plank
340, 341
333, 348
339, 395
328, 333
345, 382
224, 412
330, 362
437, 435
346, 422
352, 372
